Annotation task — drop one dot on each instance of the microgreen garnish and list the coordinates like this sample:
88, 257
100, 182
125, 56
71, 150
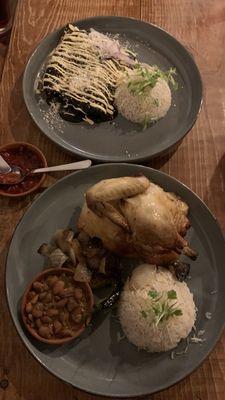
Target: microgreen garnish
146, 78
172, 294
153, 294
161, 307
177, 312
145, 123
144, 314
156, 102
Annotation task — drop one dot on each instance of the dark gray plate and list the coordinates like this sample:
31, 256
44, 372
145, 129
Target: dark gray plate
99, 363
122, 141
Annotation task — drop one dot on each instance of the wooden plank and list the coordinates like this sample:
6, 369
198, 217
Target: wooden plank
3, 52
200, 159
4, 41
33, 20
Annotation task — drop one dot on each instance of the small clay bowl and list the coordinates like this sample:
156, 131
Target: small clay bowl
78, 328
32, 182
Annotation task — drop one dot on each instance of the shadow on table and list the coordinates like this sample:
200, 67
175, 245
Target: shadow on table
215, 193
219, 174
159, 161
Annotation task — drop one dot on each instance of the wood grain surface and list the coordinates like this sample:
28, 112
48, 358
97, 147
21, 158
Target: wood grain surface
3, 51
199, 162
4, 41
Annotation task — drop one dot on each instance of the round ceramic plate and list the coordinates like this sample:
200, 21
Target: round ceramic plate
121, 140
99, 362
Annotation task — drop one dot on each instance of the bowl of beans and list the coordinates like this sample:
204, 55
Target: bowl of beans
55, 307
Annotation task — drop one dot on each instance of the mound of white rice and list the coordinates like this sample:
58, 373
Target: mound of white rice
143, 331
151, 105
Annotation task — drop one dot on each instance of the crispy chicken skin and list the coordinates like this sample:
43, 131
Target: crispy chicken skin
136, 218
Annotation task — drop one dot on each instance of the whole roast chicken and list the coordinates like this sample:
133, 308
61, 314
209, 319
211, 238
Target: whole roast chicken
136, 218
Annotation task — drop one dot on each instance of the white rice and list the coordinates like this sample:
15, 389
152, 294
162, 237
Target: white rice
143, 332
152, 105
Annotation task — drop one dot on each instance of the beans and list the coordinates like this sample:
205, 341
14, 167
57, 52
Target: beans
51, 329
42, 295
57, 326
52, 312
38, 286
38, 322
63, 317
31, 318
46, 319
77, 318
31, 295
39, 306
35, 299
44, 331
65, 333
48, 298
51, 280
78, 293
36, 313
58, 287
55, 306
28, 308
71, 304
61, 303
48, 306
67, 292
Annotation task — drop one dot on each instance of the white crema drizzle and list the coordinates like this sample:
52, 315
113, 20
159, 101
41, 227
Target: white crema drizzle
83, 75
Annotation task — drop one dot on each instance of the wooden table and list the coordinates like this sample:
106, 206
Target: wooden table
199, 162
4, 42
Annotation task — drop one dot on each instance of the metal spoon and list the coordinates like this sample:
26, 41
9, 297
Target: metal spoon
4, 166
17, 175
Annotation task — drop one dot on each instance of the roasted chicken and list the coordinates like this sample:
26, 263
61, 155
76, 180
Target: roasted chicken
136, 218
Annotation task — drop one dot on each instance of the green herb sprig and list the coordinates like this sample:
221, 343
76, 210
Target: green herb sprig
146, 78
161, 306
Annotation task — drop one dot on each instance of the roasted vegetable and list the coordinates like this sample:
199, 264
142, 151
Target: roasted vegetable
77, 248
63, 239
45, 249
82, 273
99, 281
85, 255
54, 256
181, 270
110, 301
57, 258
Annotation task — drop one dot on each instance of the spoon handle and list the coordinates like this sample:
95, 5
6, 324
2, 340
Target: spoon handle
4, 166
65, 167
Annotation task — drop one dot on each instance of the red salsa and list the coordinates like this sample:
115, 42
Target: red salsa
27, 160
